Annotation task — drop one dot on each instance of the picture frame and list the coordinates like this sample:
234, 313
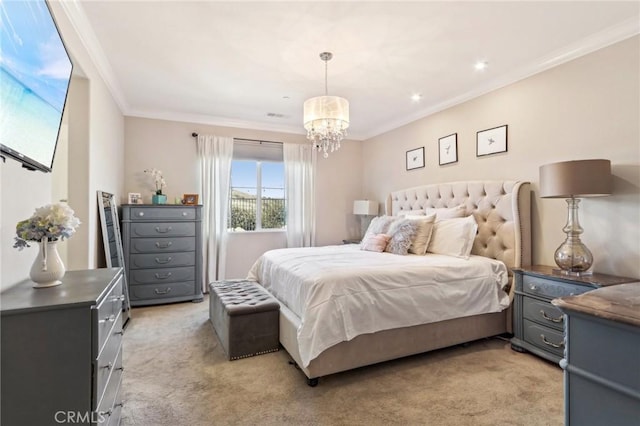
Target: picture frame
415, 158
491, 141
448, 149
134, 198
190, 199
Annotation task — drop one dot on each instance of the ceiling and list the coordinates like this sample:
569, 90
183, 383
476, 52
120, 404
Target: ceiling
253, 64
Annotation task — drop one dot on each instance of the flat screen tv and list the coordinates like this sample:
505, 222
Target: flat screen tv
35, 72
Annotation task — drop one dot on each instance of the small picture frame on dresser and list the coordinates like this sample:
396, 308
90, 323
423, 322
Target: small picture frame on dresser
190, 199
134, 198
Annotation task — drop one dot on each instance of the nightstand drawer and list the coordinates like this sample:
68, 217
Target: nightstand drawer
542, 313
163, 213
168, 229
544, 338
162, 260
159, 245
151, 276
550, 289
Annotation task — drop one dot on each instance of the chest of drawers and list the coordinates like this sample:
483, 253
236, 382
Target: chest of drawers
62, 351
162, 250
538, 326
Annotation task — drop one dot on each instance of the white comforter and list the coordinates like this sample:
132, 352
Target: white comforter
340, 292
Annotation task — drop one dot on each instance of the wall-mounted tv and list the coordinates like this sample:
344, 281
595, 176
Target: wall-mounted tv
35, 72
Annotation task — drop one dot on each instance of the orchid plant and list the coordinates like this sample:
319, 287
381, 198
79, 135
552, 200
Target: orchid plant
158, 179
52, 222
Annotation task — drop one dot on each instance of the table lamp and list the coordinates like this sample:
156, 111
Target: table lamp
574, 180
364, 208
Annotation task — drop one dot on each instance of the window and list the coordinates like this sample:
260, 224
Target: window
257, 198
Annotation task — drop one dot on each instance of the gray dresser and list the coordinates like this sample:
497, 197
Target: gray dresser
538, 326
62, 350
602, 358
163, 253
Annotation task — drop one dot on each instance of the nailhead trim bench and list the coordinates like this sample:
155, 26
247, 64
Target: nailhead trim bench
245, 318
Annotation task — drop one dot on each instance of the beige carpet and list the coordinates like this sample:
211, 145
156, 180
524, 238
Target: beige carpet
176, 374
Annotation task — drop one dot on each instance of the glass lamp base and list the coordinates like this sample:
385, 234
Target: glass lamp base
558, 271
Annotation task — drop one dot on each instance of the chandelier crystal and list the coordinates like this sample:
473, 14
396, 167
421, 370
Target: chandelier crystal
326, 118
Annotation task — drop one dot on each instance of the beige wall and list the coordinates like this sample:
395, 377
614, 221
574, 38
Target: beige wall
169, 146
586, 108
95, 161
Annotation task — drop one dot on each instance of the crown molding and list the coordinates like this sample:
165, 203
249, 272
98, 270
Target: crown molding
77, 17
614, 34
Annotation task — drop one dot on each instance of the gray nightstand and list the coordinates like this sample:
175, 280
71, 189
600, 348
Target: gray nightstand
351, 241
538, 327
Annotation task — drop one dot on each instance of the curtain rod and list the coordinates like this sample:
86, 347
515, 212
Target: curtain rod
195, 135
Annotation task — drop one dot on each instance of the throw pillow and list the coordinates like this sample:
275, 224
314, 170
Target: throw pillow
448, 212
403, 232
423, 235
375, 242
379, 225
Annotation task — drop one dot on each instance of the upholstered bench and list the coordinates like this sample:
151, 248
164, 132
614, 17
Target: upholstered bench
245, 318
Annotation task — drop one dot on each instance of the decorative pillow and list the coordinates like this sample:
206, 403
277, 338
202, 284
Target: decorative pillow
379, 225
425, 227
405, 213
403, 232
448, 212
453, 237
375, 242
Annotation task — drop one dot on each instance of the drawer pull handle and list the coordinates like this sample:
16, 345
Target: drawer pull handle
163, 230
110, 318
108, 366
548, 318
121, 333
162, 292
105, 413
163, 277
117, 299
120, 369
533, 287
553, 345
163, 261
164, 245
119, 404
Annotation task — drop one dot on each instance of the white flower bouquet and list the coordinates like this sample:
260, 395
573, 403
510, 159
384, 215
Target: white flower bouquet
158, 179
52, 222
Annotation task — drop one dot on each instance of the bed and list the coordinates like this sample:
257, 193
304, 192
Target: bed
327, 336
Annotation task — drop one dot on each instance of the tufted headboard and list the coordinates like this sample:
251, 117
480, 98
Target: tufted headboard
502, 210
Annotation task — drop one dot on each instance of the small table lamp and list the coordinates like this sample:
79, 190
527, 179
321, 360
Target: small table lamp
364, 208
571, 180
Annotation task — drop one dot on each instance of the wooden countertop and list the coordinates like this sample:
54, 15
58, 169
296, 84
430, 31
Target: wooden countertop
620, 303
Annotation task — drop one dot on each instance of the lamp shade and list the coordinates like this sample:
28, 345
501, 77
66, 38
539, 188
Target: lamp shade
365, 207
582, 178
326, 111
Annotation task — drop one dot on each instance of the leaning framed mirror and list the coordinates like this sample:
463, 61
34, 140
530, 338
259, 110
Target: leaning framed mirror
112, 241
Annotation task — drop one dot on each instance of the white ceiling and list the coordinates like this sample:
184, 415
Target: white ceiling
233, 63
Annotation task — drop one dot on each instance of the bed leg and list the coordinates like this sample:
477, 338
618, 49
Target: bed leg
312, 382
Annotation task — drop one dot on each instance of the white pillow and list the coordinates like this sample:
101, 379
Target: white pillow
379, 225
425, 228
447, 212
453, 237
419, 212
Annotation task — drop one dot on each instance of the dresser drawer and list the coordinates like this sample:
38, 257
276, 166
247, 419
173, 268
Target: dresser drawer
550, 289
163, 213
160, 276
110, 359
544, 338
162, 291
165, 229
162, 260
160, 245
543, 313
110, 402
107, 313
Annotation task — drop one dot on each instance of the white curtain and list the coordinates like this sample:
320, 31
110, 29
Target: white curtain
215, 154
299, 182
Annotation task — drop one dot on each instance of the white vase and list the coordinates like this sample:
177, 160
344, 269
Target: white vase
48, 268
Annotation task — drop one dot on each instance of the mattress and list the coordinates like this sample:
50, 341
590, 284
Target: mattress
340, 292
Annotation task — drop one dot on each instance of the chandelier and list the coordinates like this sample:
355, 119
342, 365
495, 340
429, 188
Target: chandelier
326, 118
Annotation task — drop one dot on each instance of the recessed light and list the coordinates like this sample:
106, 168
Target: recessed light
416, 97
285, 97
481, 65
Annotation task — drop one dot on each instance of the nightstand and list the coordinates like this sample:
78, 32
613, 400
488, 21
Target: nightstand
351, 241
538, 327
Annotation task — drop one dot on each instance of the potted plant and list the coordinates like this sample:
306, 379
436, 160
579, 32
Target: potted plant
158, 197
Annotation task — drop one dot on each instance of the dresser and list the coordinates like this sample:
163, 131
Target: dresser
538, 326
61, 350
163, 253
602, 357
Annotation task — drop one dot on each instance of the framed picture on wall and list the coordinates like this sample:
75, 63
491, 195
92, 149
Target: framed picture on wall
448, 149
415, 158
491, 141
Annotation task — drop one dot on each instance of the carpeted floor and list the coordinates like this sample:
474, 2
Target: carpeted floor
176, 374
